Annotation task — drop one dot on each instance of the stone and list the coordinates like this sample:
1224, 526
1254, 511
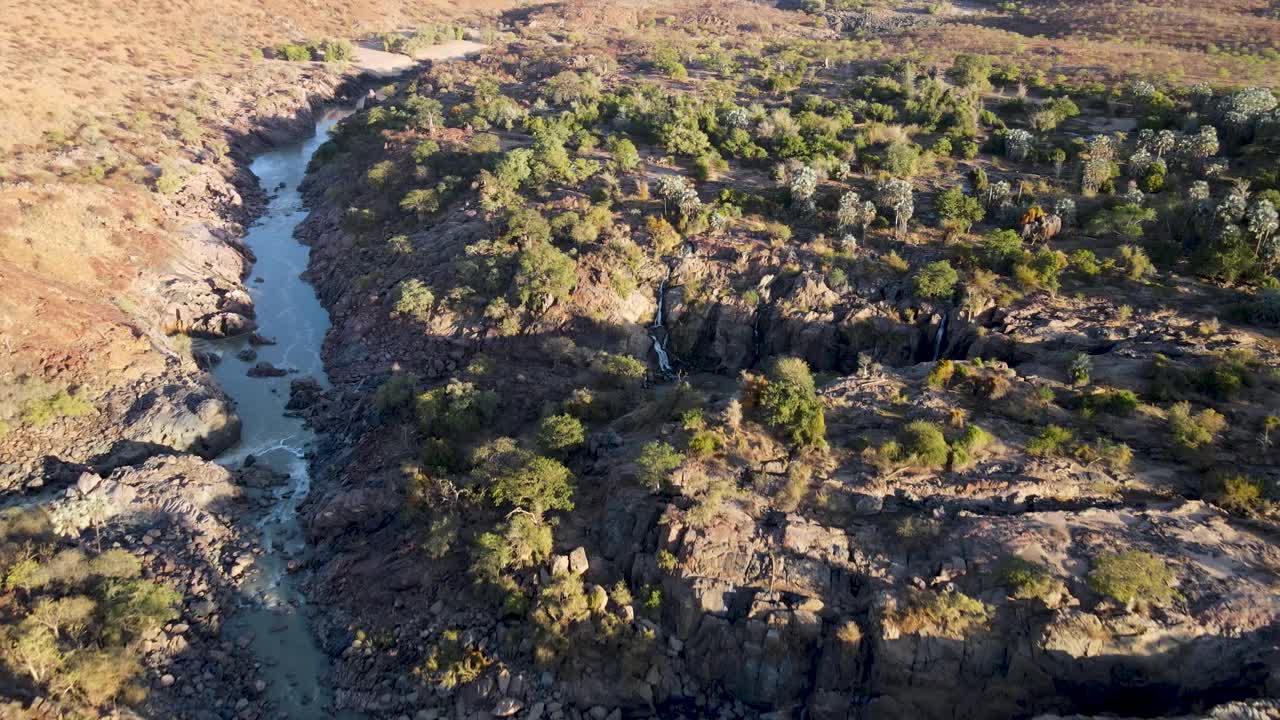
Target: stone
506, 707
578, 561
167, 680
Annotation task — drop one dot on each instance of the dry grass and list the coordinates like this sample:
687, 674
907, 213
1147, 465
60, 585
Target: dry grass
1179, 41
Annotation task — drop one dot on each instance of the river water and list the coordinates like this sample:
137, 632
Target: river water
272, 619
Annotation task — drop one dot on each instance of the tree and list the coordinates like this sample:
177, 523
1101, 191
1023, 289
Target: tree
544, 276
656, 462
524, 480
971, 71
897, 197
960, 211
625, 155
455, 409
424, 113
558, 434
414, 300
936, 280
791, 403
1124, 220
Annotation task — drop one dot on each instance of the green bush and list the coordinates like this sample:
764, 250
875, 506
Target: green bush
1131, 577
414, 300
940, 374
949, 613
42, 411
1237, 493
455, 409
1192, 430
923, 444
1027, 580
294, 52
524, 480
559, 434
656, 463
791, 404
1111, 402
1052, 440
960, 211
936, 280
395, 395
334, 51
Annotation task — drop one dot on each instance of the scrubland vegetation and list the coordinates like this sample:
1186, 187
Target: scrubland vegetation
817, 278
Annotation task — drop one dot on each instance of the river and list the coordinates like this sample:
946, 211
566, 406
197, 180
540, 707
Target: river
272, 617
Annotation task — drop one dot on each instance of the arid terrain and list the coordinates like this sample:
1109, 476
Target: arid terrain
821, 359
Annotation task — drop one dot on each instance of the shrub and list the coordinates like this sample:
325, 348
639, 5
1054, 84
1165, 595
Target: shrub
971, 71
1236, 493
1112, 402
457, 408
620, 370
42, 411
544, 276
1131, 577
334, 51
1085, 262
294, 52
1027, 580
667, 562
395, 394
559, 434
960, 211
1052, 440
705, 443
414, 300
453, 663
950, 613
442, 533
936, 280
1124, 221
1079, 370
971, 441
625, 156
656, 462
1194, 430
902, 159
923, 444
940, 374
532, 482
1137, 266
791, 404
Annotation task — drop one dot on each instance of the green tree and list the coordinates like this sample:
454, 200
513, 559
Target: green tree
455, 409
625, 155
791, 403
414, 300
558, 434
544, 276
656, 463
960, 211
936, 280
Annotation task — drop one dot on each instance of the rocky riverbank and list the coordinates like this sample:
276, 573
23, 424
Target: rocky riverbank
829, 586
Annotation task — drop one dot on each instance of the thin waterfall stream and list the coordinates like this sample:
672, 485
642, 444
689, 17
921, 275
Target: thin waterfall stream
658, 331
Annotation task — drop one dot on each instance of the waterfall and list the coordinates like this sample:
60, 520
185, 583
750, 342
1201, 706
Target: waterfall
657, 330
940, 337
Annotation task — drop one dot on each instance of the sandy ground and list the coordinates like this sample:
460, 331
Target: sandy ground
385, 64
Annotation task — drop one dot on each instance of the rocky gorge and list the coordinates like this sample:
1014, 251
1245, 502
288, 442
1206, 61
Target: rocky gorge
976, 532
